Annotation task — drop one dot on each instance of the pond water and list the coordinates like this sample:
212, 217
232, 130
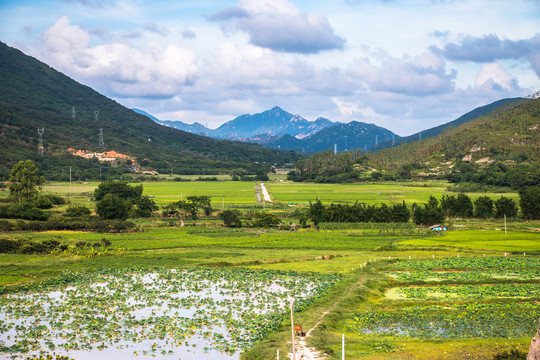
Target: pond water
191, 314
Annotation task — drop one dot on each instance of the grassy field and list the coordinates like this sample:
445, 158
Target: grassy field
369, 193
367, 260
240, 192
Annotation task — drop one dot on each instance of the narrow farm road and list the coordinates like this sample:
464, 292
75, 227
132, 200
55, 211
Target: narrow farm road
303, 351
266, 195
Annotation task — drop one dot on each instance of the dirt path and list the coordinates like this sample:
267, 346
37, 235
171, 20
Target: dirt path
303, 351
265, 193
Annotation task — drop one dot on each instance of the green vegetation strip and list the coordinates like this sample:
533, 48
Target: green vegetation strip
450, 322
169, 311
465, 276
468, 291
495, 262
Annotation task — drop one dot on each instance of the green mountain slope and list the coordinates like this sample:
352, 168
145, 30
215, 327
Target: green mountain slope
33, 95
508, 138
434, 131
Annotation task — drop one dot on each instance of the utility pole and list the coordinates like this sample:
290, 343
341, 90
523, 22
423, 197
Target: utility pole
292, 329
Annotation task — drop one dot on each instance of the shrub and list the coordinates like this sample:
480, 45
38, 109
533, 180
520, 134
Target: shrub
8, 245
77, 211
42, 202
22, 211
264, 219
510, 355
56, 200
230, 218
145, 207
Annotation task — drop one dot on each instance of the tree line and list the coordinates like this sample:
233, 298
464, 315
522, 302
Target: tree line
433, 212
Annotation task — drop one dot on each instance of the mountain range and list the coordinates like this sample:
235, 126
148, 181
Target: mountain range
279, 129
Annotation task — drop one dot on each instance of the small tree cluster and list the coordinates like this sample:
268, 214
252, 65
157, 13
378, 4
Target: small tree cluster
191, 207
231, 218
119, 200
319, 213
428, 214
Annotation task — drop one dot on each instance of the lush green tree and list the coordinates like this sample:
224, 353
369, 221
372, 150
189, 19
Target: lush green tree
119, 188
265, 219
430, 214
112, 206
200, 203
145, 207
181, 209
483, 207
505, 206
464, 206
25, 181
529, 200
317, 212
230, 218
400, 213
449, 205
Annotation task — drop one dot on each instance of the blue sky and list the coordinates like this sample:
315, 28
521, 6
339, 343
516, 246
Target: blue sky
405, 65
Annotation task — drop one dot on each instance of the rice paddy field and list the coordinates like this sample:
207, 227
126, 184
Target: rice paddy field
208, 292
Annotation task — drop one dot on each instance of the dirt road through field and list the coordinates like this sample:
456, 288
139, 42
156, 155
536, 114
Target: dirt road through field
303, 351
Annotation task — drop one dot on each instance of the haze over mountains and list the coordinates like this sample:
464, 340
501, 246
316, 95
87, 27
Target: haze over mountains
279, 129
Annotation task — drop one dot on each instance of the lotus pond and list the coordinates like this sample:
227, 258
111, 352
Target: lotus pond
465, 292
457, 321
465, 276
494, 262
120, 314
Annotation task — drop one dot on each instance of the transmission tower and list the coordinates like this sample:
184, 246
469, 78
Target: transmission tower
101, 143
346, 144
206, 127
40, 148
376, 140
335, 148
393, 139
96, 115
73, 112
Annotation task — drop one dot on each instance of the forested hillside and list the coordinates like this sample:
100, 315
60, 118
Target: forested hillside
501, 149
33, 95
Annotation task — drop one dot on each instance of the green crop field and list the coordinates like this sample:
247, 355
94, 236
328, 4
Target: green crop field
369, 193
401, 293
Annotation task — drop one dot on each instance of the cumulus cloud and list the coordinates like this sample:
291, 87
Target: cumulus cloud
279, 25
345, 108
422, 75
489, 48
127, 71
493, 77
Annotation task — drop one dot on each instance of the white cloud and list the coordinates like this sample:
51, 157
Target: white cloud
347, 109
422, 75
279, 25
127, 71
495, 76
